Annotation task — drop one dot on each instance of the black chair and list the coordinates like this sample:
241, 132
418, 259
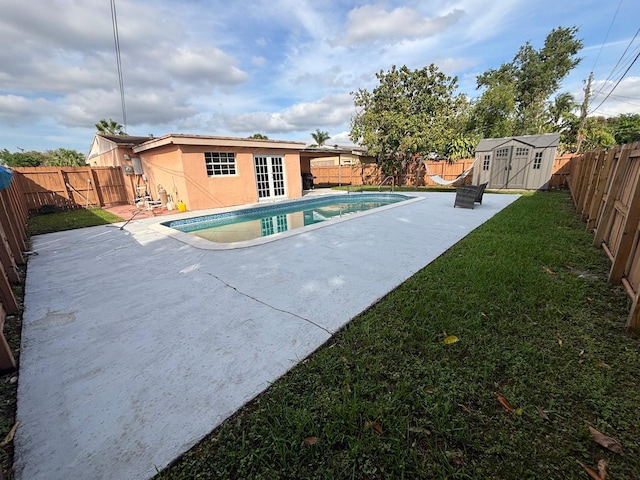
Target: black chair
469, 195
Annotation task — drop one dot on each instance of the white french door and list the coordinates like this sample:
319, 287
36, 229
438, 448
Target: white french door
269, 176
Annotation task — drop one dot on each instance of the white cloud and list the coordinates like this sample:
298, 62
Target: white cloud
15, 109
373, 23
332, 110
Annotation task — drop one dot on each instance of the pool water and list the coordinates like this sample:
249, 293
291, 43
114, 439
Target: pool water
252, 223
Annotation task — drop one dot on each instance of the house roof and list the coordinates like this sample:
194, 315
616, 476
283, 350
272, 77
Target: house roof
534, 141
124, 140
206, 140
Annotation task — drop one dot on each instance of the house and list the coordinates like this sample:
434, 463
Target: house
205, 171
523, 163
337, 156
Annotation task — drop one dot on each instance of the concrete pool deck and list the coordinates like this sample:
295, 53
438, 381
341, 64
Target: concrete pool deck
136, 345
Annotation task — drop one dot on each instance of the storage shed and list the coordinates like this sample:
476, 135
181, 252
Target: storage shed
522, 163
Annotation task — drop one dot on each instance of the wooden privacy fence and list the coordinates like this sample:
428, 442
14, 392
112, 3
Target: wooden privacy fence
13, 231
72, 187
370, 174
605, 186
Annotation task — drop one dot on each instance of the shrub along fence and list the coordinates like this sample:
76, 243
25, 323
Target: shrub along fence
605, 186
13, 232
370, 174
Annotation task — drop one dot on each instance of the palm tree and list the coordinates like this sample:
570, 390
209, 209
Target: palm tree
110, 127
320, 137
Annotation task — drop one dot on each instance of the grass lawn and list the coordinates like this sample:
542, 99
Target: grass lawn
59, 221
541, 355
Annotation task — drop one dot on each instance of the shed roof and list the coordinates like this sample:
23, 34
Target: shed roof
543, 140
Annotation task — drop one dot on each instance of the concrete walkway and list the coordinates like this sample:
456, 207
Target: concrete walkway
136, 345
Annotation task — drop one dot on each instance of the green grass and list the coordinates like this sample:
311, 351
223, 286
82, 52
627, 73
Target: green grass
69, 220
537, 323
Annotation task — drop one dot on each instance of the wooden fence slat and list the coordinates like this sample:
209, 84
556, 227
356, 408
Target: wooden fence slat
7, 259
603, 179
7, 298
629, 228
7, 362
608, 208
16, 242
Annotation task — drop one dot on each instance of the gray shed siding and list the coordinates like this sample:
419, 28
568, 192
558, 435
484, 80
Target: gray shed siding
523, 163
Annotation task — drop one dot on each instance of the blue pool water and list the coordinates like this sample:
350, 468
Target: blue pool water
257, 222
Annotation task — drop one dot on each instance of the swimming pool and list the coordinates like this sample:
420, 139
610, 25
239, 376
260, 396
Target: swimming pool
250, 226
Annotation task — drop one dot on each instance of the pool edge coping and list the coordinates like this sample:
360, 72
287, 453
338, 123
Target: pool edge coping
203, 244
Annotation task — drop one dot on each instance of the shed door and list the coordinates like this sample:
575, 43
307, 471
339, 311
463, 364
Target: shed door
500, 169
518, 168
269, 176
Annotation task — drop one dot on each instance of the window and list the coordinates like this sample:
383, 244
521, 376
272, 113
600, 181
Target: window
537, 161
502, 153
220, 163
522, 152
485, 162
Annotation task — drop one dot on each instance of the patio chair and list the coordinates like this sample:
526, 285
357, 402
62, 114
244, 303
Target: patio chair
469, 195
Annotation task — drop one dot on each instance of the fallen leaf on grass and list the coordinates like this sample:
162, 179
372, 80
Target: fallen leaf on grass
560, 341
450, 339
375, 426
465, 408
592, 473
549, 271
10, 435
602, 364
505, 404
603, 469
311, 440
542, 413
605, 441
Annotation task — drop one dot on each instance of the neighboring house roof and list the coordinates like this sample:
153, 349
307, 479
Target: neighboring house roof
206, 140
534, 141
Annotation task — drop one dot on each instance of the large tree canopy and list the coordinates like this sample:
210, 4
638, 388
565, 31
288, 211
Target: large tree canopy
516, 97
410, 113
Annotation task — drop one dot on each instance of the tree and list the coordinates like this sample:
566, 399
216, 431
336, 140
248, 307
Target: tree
626, 127
516, 96
259, 136
63, 157
110, 127
21, 159
320, 137
410, 114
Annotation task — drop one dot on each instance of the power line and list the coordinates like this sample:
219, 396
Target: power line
606, 36
116, 39
617, 64
617, 83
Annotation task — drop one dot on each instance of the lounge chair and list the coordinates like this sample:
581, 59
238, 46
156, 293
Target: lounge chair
469, 195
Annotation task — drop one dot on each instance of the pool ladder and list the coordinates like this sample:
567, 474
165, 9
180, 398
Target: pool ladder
393, 182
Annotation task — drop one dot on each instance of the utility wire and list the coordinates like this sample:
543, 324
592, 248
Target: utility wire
617, 83
116, 40
613, 71
606, 36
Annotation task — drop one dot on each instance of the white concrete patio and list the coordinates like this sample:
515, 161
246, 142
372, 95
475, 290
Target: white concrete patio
136, 345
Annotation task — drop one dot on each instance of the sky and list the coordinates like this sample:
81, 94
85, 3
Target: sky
282, 68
